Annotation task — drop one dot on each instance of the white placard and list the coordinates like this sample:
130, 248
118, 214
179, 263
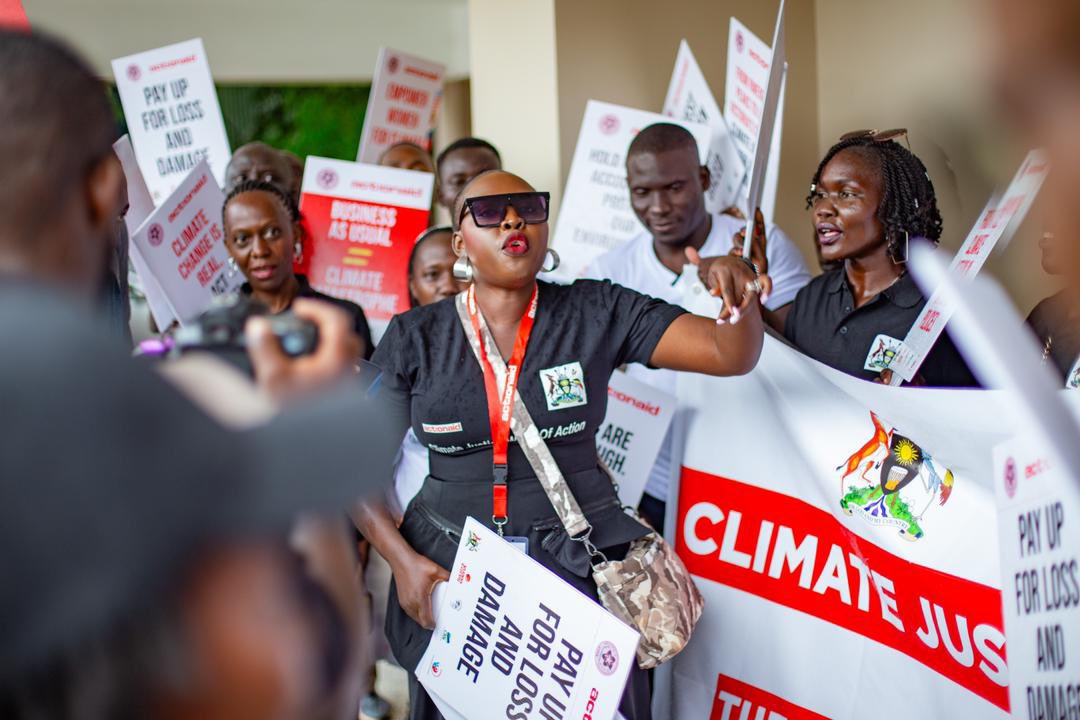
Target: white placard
183, 244
502, 649
140, 205
1039, 526
637, 420
689, 98
172, 113
404, 103
995, 226
748, 66
596, 215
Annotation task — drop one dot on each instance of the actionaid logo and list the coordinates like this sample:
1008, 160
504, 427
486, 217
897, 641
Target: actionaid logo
590, 706
327, 178
462, 575
155, 234
1010, 477
631, 400
134, 73
609, 124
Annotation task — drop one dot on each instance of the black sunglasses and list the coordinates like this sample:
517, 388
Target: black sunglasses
489, 210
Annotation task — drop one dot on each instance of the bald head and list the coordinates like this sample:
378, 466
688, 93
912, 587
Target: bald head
60, 183
258, 162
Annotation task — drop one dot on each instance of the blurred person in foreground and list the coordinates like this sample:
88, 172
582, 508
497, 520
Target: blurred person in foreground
459, 163
262, 235
1035, 70
147, 568
407, 156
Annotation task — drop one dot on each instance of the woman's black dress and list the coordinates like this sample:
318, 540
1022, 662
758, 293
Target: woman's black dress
583, 332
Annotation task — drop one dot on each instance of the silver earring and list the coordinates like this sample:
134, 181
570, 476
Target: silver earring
901, 258
554, 262
463, 269
232, 265
298, 252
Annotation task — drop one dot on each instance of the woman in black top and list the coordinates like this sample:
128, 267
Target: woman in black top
262, 235
582, 332
869, 197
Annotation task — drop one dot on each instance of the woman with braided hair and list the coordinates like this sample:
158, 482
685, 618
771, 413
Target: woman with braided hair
869, 199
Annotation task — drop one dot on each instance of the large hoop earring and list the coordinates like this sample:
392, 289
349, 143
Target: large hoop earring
555, 260
231, 262
463, 269
298, 252
901, 258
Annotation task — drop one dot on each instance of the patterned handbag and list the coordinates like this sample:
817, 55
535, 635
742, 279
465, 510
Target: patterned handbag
650, 589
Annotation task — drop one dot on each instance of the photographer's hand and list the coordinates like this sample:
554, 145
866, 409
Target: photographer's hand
285, 378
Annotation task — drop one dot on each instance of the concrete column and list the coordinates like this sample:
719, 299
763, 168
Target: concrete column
515, 89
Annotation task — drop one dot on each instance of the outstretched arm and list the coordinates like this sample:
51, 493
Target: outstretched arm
729, 345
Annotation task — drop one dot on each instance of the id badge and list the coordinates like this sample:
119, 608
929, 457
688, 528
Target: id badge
521, 544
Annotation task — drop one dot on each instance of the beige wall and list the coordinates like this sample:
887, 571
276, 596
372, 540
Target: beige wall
917, 65
515, 93
265, 40
623, 51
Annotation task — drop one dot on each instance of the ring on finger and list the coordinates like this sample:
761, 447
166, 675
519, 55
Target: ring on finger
754, 286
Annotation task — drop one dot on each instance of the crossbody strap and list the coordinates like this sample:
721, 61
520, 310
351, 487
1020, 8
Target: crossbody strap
528, 436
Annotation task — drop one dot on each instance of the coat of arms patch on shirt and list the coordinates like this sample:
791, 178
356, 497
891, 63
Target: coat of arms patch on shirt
882, 352
564, 386
1072, 381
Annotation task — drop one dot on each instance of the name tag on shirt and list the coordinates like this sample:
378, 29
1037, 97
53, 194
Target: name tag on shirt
521, 544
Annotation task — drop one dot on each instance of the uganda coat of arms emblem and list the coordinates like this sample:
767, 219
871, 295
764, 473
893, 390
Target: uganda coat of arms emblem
892, 481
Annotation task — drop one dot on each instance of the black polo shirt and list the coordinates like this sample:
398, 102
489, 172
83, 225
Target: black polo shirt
360, 323
825, 324
582, 333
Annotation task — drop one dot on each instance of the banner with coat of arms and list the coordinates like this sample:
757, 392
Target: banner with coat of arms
844, 535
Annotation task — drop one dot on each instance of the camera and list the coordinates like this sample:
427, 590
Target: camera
220, 331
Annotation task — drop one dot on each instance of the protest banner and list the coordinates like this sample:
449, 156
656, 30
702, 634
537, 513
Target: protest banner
403, 105
637, 420
994, 226
12, 14
843, 553
361, 223
749, 65
596, 215
140, 205
501, 650
183, 245
172, 113
689, 98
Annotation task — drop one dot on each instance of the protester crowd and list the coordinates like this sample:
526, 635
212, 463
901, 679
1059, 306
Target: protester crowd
164, 559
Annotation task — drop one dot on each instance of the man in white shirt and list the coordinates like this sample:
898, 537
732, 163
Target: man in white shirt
667, 191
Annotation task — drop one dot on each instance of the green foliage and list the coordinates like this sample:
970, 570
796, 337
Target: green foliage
321, 120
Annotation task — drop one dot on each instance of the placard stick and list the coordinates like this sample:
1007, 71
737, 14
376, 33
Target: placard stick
765, 129
996, 225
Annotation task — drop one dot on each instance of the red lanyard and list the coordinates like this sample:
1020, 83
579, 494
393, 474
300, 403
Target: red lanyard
501, 408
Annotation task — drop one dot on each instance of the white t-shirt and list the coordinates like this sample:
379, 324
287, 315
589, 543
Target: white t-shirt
635, 265
411, 469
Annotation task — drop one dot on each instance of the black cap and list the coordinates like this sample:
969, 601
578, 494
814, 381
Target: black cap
111, 481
